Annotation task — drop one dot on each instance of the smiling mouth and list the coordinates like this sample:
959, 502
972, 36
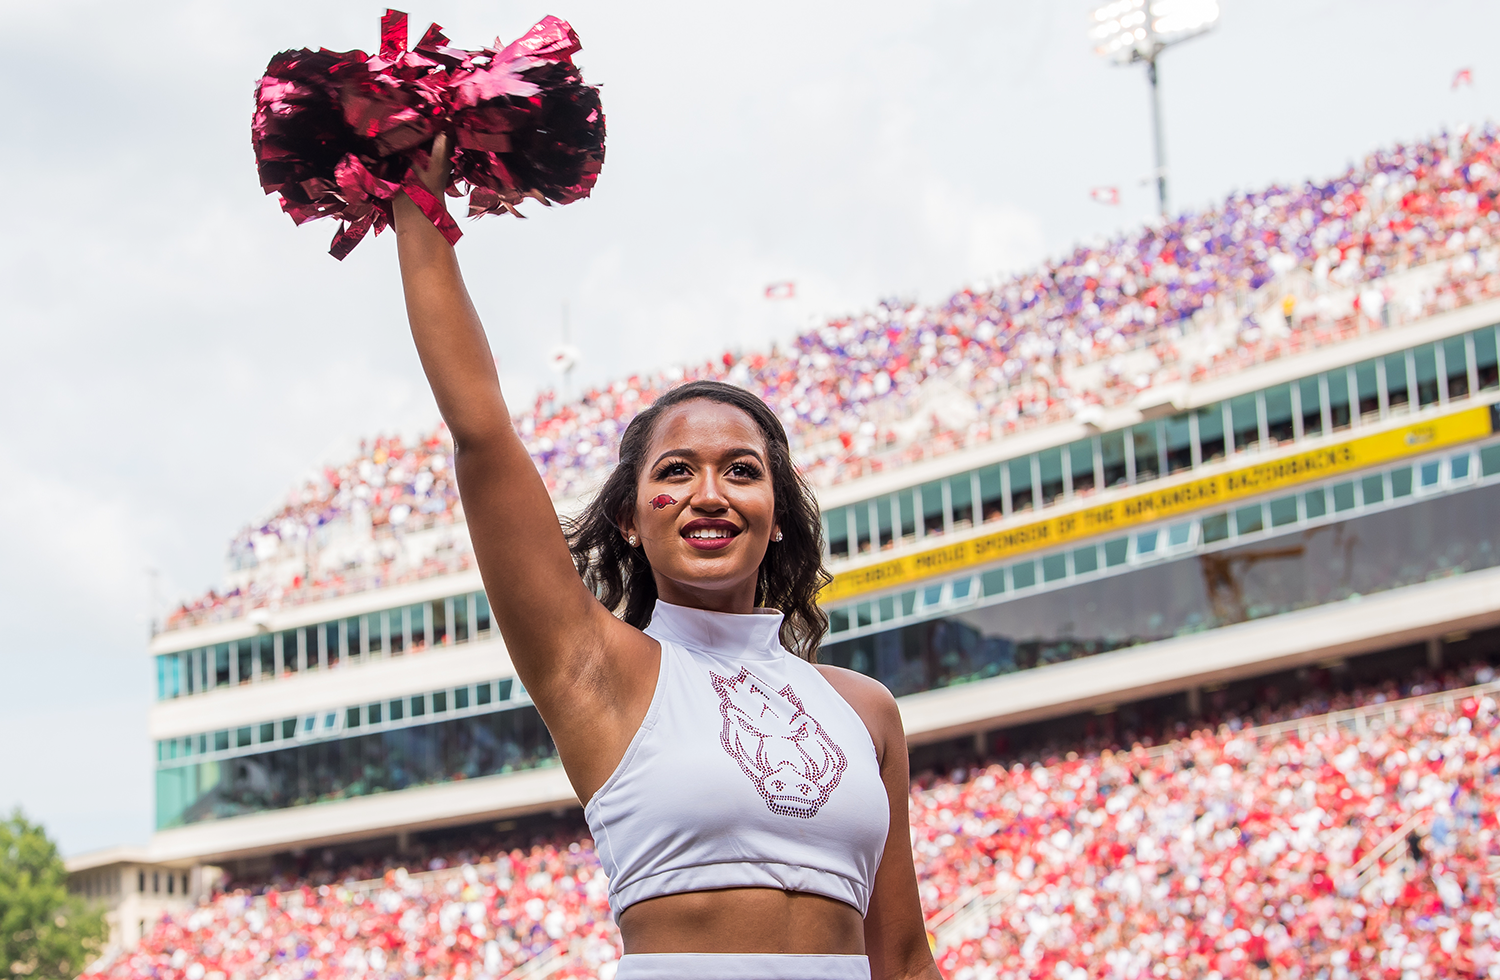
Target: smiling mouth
709, 536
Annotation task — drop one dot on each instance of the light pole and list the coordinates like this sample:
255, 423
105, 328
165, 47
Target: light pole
1131, 31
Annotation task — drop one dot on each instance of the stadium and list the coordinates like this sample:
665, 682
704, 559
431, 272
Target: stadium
1179, 553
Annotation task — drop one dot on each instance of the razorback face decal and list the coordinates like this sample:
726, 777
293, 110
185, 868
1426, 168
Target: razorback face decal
785, 752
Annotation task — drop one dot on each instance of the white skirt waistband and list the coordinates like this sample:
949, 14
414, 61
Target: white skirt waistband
742, 966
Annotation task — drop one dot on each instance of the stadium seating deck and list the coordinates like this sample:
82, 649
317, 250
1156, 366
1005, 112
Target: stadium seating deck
1358, 843
1409, 232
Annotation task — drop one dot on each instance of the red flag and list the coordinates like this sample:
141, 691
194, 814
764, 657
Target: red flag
781, 290
1105, 195
1465, 76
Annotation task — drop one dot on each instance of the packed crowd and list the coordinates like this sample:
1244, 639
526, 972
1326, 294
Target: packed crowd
904, 381
1300, 850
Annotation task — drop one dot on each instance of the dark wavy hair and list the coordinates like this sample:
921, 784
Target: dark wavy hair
791, 574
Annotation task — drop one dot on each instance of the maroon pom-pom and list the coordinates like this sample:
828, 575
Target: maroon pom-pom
340, 134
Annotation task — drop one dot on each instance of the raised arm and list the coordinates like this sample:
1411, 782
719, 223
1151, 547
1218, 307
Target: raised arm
566, 647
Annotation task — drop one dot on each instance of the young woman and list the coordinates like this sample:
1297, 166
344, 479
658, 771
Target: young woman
749, 806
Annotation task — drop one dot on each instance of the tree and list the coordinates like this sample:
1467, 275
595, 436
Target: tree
45, 933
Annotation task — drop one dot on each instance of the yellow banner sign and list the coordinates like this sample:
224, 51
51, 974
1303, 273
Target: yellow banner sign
1144, 508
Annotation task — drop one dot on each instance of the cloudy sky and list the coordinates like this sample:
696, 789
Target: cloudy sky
176, 353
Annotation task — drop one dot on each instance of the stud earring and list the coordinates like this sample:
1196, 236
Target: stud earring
777, 535
632, 540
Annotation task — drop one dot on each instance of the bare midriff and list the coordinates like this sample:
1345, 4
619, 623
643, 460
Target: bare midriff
743, 920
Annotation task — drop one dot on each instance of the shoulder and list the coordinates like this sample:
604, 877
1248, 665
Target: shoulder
870, 699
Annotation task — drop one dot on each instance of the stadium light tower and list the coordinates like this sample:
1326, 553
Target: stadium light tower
1130, 31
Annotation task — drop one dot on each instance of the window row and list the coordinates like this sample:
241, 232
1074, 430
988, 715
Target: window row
417, 709
389, 632
1322, 504
1304, 566
1367, 392
360, 764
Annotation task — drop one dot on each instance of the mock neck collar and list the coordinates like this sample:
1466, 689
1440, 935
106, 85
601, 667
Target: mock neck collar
756, 636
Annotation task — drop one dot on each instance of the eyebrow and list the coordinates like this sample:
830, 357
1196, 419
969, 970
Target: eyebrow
693, 454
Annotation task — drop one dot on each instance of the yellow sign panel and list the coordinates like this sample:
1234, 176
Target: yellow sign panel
1249, 481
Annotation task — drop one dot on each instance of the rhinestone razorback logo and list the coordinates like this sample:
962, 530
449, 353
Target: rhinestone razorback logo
785, 752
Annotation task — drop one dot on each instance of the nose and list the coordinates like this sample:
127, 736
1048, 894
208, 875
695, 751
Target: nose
709, 495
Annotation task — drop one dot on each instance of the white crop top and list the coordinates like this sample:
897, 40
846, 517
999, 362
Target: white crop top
749, 771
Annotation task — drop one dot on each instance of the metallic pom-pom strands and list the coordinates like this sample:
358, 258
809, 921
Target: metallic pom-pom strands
340, 134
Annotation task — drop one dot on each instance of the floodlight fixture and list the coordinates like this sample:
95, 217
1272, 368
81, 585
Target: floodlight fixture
1131, 31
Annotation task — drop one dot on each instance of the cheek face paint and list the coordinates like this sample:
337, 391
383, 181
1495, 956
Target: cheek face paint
660, 501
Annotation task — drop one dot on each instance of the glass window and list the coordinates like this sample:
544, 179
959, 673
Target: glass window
1343, 496
886, 528
460, 618
961, 496
1020, 485
221, 665
992, 582
908, 602
1401, 482
989, 493
242, 737
1367, 390
1489, 460
1431, 472
1279, 425
1112, 455
1049, 467
221, 741
398, 636
1397, 392
1338, 399
439, 609
482, 693
244, 655
1054, 567
416, 618
1458, 467
1147, 456
267, 732
932, 507
1484, 358
1456, 367
418, 705
1211, 432
1085, 560
836, 529
1374, 489
1244, 413
1424, 360
1283, 511
288, 728
397, 709
838, 621
290, 663
1247, 520
503, 689
1081, 459
1215, 528
961, 588
460, 698
861, 512
1179, 443
1316, 503
1116, 551
481, 613
888, 605
332, 647
907, 505
351, 717
1179, 534
1310, 394
864, 615
1145, 543
1023, 575
439, 702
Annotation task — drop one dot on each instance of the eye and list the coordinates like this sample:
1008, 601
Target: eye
745, 470
670, 469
